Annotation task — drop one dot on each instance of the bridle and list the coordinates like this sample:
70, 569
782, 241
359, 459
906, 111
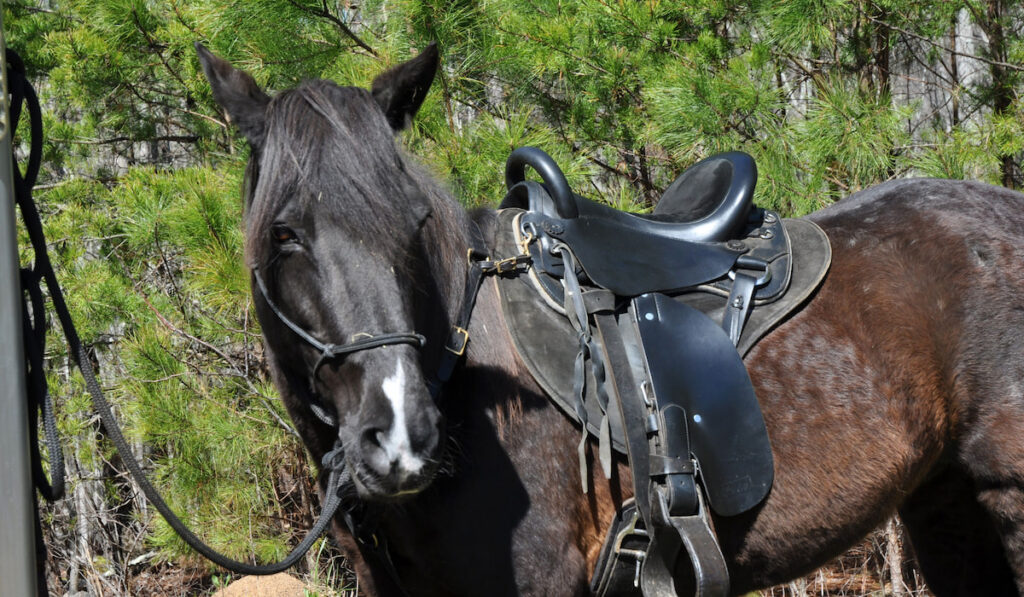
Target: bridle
360, 522
329, 351
454, 347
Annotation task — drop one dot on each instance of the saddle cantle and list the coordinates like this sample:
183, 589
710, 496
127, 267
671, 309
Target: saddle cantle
661, 307
714, 196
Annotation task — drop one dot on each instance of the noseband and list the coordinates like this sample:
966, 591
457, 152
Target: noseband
454, 346
330, 351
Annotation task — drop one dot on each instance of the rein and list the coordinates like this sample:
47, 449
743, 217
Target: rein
34, 329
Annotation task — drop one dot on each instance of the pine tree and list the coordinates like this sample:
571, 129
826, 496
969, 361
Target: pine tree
142, 174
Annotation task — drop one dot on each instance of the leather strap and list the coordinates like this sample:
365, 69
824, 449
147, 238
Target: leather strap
741, 299
632, 407
668, 499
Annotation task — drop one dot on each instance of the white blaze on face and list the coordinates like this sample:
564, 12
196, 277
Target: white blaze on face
396, 444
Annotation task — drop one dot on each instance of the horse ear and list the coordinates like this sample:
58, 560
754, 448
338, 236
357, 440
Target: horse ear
401, 89
237, 92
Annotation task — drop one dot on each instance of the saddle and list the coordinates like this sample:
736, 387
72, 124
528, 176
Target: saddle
635, 326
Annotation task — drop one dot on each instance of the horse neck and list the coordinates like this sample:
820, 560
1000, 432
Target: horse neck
446, 239
452, 231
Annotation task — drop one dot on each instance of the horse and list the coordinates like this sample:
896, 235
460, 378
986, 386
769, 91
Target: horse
897, 388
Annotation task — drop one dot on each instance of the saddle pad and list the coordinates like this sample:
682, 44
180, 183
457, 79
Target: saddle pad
542, 335
811, 256
547, 342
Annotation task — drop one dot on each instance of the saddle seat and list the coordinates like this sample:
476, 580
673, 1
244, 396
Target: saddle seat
691, 239
710, 201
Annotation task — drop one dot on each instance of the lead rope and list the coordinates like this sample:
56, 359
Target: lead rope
333, 461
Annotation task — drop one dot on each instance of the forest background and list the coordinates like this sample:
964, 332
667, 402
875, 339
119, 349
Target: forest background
142, 173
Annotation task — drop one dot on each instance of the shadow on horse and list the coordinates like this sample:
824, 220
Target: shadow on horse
899, 387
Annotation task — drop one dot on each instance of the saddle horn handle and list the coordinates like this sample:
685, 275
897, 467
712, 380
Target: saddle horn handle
550, 173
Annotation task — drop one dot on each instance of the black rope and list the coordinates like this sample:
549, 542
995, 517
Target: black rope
34, 336
33, 310
40, 404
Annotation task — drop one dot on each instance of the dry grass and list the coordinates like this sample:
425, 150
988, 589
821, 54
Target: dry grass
864, 570
881, 565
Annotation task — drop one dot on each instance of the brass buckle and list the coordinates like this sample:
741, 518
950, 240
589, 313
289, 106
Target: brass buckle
465, 340
507, 264
524, 241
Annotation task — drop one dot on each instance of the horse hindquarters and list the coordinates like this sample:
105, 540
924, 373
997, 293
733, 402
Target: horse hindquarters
903, 374
942, 305
987, 426
988, 455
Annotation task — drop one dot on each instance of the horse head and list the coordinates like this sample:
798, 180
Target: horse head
339, 237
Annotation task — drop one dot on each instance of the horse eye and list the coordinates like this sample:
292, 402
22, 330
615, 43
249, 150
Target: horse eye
283, 234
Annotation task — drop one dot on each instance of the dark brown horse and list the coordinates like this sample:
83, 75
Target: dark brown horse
899, 388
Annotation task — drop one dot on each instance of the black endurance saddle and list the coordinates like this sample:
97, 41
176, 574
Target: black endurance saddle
635, 326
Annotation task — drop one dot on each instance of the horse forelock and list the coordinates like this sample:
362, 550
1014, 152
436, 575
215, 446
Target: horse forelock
330, 152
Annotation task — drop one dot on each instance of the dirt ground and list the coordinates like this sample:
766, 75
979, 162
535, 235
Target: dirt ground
277, 585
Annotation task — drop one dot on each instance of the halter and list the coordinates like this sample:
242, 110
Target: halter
454, 346
329, 351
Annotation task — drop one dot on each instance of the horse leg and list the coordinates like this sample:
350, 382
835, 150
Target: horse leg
955, 538
989, 432
993, 456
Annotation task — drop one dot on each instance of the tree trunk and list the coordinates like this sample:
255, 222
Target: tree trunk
881, 52
1002, 87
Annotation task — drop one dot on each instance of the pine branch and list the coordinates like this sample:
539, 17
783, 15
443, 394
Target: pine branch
227, 359
938, 46
325, 13
123, 139
155, 47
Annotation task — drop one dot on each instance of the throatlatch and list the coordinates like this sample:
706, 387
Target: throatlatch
635, 326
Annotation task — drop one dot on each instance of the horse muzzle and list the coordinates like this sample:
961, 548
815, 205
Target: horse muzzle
397, 457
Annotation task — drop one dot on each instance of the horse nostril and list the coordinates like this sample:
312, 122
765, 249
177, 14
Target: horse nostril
375, 438
375, 455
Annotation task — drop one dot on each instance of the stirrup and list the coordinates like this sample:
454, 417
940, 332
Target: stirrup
671, 533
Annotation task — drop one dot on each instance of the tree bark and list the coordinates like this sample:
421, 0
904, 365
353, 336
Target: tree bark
1002, 87
881, 53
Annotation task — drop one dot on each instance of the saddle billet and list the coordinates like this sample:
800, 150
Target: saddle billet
594, 322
